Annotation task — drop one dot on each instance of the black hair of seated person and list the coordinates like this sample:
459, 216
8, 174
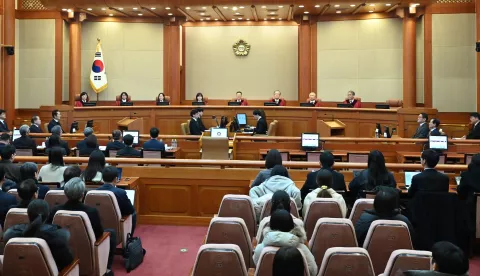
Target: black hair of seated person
279, 170
280, 201
281, 220
288, 261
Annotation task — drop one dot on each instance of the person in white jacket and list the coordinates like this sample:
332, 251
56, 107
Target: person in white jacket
324, 181
283, 232
279, 180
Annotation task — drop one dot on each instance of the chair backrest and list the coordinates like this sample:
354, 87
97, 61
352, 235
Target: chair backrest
118, 98
14, 192
331, 232
219, 260
384, 237
442, 159
320, 208
231, 231
82, 238
16, 216
267, 209
239, 206
184, 128
285, 156
346, 261
395, 102
28, 256
112, 153
154, 154
477, 221
24, 152
271, 129
55, 197
313, 157
265, 262
215, 148
108, 209
358, 208
45, 127
402, 260
357, 158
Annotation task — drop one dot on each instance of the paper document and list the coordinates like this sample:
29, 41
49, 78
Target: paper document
102, 148
131, 196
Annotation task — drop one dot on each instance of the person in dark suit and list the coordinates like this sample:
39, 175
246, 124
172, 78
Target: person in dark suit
262, 126
126, 208
27, 191
24, 141
430, 179
3, 123
422, 130
69, 173
75, 190
83, 144
91, 144
29, 170
474, 121
194, 125
153, 143
55, 120
199, 120
4, 140
433, 125
128, 150
6, 200
36, 125
116, 144
327, 161
470, 184
57, 142
12, 171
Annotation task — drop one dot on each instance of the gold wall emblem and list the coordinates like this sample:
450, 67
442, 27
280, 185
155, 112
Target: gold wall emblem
241, 48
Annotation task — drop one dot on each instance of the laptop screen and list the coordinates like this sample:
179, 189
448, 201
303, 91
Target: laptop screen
408, 178
310, 140
134, 133
16, 134
219, 132
438, 142
242, 118
131, 196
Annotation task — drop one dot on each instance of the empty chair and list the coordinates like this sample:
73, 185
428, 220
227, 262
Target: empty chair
331, 232
395, 102
32, 256
346, 261
320, 208
402, 260
239, 206
92, 253
215, 148
55, 197
265, 262
357, 158
358, 208
231, 231
184, 127
384, 237
285, 156
15, 193
152, 154
313, 157
112, 153
267, 208
15, 216
110, 215
219, 260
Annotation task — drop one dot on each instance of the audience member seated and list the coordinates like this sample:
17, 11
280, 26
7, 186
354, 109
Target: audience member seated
430, 180
470, 184
6, 200
75, 191
96, 164
199, 98
126, 208
54, 236
57, 142
91, 144
36, 127
239, 99
161, 98
128, 150
375, 177
69, 173
434, 125
283, 232
326, 161
3, 124
385, 207
4, 140
12, 171
29, 170
24, 141
324, 181
53, 171
277, 99
352, 100
27, 191
56, 115
83, 144
423, 128
194, 125
116, 144
288, 261
279, 180
83, 99
475, 131
124, 98
261, 119
153, 143
199, 120
312, 98
272, 159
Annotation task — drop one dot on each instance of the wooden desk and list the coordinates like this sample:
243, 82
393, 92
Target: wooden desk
131, 183
402, 157
341, 155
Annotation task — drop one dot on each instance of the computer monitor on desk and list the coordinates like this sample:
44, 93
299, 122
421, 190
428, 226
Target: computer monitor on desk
307, 105
408, 178
134, 133
219, 132
270, 104
438, 142
242, 119
234, 103
310, 141
16, 134
126, 104
344, 105
89, 104
163, 103
198, 103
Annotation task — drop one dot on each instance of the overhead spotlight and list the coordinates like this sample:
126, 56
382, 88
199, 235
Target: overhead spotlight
338, 11
352, 5
239, 18
187, 8
264, 7
167, 8
388, 5
272, 18
237, 13
89, 9
110, 14
170, 14
233, 19
225, 7
301, 6
415, 4
201, 19
272, 13
135, 8
153, 8
280, 19
372, 5
216, 19
202, 13
204, 8
208, 18
248, 19
370, 11
306, 12
280, 7
337, 6
265, 19
69, 10
317, 6
103, 9
242, 7
64, 9
120, 9
140, 14
234, 8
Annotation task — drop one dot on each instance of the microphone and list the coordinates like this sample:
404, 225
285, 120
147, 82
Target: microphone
215, 117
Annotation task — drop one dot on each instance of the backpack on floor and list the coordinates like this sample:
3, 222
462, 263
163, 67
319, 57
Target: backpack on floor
133, 252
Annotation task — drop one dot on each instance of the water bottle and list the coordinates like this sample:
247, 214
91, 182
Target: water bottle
174, 143
377, 135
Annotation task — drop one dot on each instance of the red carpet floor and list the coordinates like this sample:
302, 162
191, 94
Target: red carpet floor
164, 256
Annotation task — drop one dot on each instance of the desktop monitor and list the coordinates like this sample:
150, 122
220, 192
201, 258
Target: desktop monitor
126, 104
307, 105
310, 141
242, 119
270, 104
90, 123
234, 103
382, 106
119, 173
219, 132
163, 103
89, 104
134, 133
344, 105
74, 127
438, 142
198, 103
408, 178
16, 134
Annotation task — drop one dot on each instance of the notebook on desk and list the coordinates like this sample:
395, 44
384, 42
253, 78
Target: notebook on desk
131, 196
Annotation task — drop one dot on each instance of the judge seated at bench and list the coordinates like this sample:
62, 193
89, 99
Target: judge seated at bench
240, 99
352, 100
162, 99
277, 99
83, 99
312, 98
123, 98
475, 131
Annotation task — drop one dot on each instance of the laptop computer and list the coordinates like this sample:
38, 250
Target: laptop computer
126, 104
408, 178
134, 133
131, 196
163, 103
16, 134
382, 106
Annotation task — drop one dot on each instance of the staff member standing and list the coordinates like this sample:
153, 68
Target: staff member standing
423, 129
35, 127
194, 124
474, 121
55, 120
261, 127
3, 124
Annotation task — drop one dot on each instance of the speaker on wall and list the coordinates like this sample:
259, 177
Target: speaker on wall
10, 50
477, 47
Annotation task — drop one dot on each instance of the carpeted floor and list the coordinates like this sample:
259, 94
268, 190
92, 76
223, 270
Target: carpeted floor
164, 257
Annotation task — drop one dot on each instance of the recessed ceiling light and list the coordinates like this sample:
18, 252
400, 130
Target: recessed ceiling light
337, 6
234, 8
301, 6
103, 9
170, 14
64, 9
370, 11
280, 19
201, 19
264, 7
69, 10
352, 5
167, 8
140, 14
135, 8
272, 18
204, 8
89, 9
415, 4
306, 12
153, 8
264, 19
248, 19
237, 13
388, 5
272, 13
242, 7
233, 19
280, 7
317, 6
225, 7
187, 8
120, 9
372, 5
338, 11
216, 19
202, 13
239, 18
111, 14
208, 18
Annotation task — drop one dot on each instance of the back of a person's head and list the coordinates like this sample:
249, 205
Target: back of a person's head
377, 171
71, 172
54, 140
55, 156
386, 202
324, 182
75, 189
56, 130
273, 158
8, 185
109, 174
91, 141
96, 163
128, 140
281, 220
7, 152
326, 159
449, 258
431, 158
288, 261
87, 131
279, 170
24, 130
280, 201
154, 132
5, 137
27, 189
474, 165
116, 135
28, 170
37, 214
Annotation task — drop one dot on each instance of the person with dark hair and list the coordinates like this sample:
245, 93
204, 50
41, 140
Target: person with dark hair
96, 164
199, 120
194, 125
430, 179
69, 173
422, 130
385, 207
56, 141
161, 98
279, 180
433, 126
277, 98
56, 115
24, 141
262, 126
12, 171
83, 99
475, 131
110, 177
326, 161
153, 143
199, 98
272, 159
288, 261
351, 100
27, 191
53, 171
83, 144
3, 123
6, 199
324, 182
123, 99
36, 127
4, 140
283, 232
91, 144
375, 176
239, 99
116, 144
29, 170
128, 150
56, 238
470, 184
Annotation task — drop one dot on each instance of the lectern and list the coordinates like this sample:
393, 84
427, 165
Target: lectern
331, 128
131, 124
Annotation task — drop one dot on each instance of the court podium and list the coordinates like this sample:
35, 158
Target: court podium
330, 128
131, 124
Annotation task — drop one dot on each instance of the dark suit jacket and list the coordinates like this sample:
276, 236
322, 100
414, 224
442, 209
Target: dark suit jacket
311, 182
262, 127
201, 125
422, 131
154, 144
6, 201
63, 144
35, 129
115, 145
52, 124
361, 182
126, 207
4, 127
435, 132
25, 142
195, 127
12, 171
429, 180
86, 151
129, 152
82, 144
475, 132
91, 212
64, 152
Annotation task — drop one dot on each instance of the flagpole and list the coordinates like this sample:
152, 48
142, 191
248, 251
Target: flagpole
98, 41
